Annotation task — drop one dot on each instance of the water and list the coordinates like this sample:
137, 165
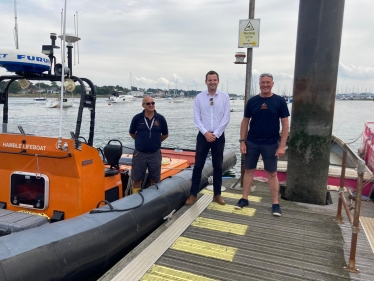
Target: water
112, 121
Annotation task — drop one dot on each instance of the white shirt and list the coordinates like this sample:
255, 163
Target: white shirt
212, 118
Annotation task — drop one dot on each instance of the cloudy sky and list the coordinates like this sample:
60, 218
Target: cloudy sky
169, 43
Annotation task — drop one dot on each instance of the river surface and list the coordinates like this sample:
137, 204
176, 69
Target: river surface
112, 121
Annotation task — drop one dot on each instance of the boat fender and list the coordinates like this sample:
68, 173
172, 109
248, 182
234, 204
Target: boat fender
166, 161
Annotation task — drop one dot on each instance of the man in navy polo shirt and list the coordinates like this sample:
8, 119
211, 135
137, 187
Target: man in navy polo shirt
148, 129
264, 113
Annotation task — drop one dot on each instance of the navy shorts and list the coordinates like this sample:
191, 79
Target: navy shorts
141, 161
267, 152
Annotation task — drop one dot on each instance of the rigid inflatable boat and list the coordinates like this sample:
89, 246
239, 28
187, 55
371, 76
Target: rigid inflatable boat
66, 208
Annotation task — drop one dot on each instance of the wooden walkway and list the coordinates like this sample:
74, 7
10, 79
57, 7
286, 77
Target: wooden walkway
208, 241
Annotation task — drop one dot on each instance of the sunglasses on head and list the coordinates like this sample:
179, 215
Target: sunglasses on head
211, 101
266, 74
149, 103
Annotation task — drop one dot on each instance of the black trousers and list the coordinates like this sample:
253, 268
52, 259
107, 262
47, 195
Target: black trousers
202, 149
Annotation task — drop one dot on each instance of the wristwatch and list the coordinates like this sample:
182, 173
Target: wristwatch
241, 140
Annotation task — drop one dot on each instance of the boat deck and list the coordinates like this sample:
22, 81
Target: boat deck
211, 242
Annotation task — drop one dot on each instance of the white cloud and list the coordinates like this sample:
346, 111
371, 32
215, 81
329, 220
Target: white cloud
167, 41
356, 72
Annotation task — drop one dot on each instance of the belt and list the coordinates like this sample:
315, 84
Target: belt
147, 152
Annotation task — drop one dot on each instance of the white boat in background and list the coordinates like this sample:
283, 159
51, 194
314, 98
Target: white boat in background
40, 99
123, 99
178, 100
120, 97
56, 103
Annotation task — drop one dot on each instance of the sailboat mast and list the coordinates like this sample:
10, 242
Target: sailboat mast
130, 82
16, 25
176, 86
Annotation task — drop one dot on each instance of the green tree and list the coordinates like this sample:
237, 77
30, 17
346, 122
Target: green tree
14, 88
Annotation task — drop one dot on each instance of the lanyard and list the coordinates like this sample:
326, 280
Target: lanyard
149, 127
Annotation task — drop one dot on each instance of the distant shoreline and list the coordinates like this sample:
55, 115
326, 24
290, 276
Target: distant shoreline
52, 96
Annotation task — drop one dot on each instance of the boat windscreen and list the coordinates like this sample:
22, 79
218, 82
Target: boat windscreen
33, 130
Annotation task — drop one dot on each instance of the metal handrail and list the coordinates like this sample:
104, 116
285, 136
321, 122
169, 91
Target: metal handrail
355, 219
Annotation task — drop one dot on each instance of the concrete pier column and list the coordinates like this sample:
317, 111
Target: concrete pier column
316, 68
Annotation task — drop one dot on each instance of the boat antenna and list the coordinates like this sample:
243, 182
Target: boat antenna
76, 33
61, 24
16, 25
59, 143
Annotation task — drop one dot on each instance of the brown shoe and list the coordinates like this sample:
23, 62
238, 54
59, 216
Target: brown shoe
190, 200
219, 199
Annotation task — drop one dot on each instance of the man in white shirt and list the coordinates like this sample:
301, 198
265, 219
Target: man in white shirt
211, 116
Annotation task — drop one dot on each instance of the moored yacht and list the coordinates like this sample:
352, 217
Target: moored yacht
120, 97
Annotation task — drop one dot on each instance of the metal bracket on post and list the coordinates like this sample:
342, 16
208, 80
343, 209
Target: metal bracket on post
233, 186
355, 229
168, 218
353, 269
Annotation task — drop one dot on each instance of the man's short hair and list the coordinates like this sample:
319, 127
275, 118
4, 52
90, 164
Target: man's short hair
212, 72
267, 75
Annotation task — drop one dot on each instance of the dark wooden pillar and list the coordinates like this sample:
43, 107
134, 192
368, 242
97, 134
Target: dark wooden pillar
316, 68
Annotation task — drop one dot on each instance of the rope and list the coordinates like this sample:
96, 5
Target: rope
355, 139
111, 209
130, 183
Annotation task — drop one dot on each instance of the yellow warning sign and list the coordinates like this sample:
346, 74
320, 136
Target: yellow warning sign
249, 31
249, 27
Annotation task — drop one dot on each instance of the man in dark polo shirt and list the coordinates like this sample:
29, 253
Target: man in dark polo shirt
148, 129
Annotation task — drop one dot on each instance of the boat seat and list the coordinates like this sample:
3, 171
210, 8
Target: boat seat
112, 155
110, 172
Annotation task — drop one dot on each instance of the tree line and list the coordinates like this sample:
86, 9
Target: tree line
43, 88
